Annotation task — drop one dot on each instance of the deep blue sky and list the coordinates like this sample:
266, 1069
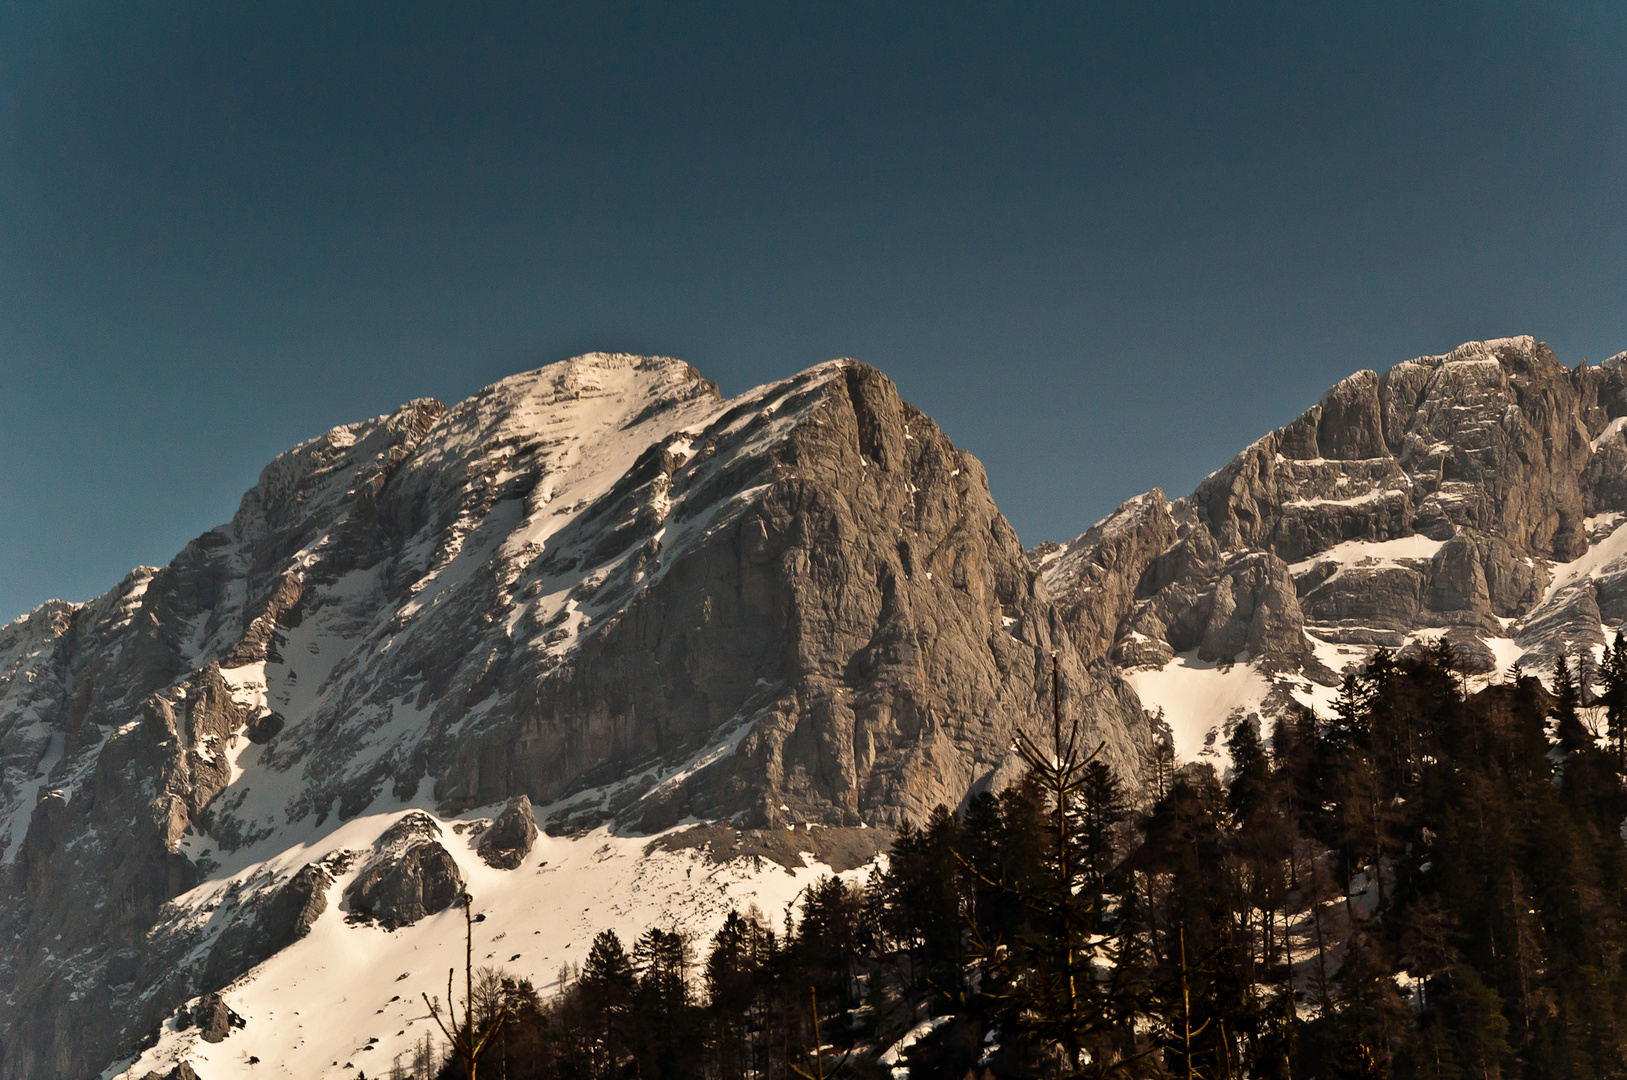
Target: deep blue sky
1104, 245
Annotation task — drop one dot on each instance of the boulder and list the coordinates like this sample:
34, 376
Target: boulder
215, 1019
408, 878
507, 841
263, 728
182, 1071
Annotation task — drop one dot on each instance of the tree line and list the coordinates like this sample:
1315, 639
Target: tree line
1427, 883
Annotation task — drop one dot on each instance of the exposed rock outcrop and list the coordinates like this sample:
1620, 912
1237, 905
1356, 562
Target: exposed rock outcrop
1098, 573
214, 1019
410, 875
507, 841
1224, 609
801, 605
182, 1071
277, 920
1437, 495
603, 588
868, 616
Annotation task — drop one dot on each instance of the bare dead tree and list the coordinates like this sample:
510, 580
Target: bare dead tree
463, 1038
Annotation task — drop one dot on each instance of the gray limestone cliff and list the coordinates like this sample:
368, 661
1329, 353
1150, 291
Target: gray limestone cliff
603, 590
599, 587
1439, 498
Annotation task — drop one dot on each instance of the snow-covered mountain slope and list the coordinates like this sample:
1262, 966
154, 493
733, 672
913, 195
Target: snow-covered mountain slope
1476, 496
348, 996
597, 586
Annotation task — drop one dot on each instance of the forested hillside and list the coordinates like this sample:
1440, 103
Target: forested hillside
1428, 883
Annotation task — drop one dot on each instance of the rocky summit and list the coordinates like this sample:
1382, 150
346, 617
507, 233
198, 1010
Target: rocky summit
606, 648
599, 587
1474, 497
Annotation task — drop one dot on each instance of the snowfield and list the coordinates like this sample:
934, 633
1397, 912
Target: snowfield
347, 997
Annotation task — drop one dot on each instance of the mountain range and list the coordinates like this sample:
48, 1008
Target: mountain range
604, 647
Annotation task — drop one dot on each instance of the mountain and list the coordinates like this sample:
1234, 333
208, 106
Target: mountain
599, 589
1476, 496
713, 648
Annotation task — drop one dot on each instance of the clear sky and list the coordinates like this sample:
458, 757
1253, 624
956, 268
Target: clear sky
1104, 245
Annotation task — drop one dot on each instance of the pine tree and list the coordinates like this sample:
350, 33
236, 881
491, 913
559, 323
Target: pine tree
1159, 762
1568, 727
1615, 698
608, 988
1103, 808
667, 1035
1350, 711
830, 938
733, 969
1251, 797
920, 898
1047, 986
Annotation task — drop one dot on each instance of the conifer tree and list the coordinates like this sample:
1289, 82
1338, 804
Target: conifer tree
667, 1024
608, 987
1103, 807
1056, 984
733, 968
1250, 797
1568, 727
1614, 675
920, 898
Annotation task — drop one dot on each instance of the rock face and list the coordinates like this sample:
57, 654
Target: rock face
409, 876
1098, 573
278, 918
507, 841
1473, 495
603, 589
598, 586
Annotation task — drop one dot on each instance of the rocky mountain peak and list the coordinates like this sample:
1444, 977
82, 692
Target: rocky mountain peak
600, 598
1439, 498
597, 587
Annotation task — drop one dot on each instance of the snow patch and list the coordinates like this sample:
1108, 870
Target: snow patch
1371, 553
1197, 696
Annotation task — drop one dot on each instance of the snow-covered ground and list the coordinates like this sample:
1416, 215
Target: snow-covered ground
1197, 697
315, 1009
1371, 553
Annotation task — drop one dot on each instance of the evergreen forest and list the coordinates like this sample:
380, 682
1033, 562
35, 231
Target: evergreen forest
1427, 883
